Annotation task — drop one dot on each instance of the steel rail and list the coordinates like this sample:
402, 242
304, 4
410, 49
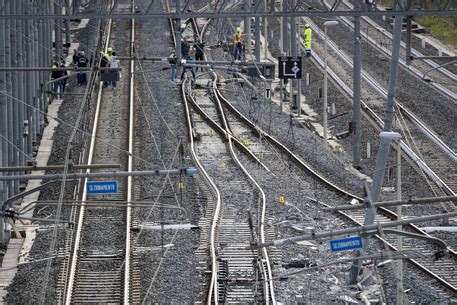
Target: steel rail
269, 287
267, 273
416, 53
304, 166
130, 164
228, 135
185, 87
378, 88
215, 190
411, 154
223, 132
84, 194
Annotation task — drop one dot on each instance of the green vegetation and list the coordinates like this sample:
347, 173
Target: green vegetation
442, 27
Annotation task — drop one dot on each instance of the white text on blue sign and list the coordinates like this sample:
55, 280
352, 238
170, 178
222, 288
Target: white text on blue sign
101, 187
349, 243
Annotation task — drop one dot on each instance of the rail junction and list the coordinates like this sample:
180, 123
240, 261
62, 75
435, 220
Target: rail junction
225, 183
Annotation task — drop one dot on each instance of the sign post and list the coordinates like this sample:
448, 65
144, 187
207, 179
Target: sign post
290, 68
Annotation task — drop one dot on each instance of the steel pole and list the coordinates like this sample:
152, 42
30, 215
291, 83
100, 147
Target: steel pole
265, 33
400, 299
28, 87
384, 148
281, 31
408, 40
67, 23
21, 80
3, 120
285, 28
58, 30
297, 42
41, 62
16, 38
247, 28
325, 86
9, 90
178, 31
48, 48
356, 115
257, 38
36, 75
293, 51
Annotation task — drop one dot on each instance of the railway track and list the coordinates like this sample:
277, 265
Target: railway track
101, 269
238, 274
444, 81
436, 148
442, 270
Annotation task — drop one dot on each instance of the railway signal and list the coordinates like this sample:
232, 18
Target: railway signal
290, 67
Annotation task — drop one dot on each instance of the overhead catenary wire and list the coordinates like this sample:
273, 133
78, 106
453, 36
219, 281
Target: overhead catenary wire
101, 140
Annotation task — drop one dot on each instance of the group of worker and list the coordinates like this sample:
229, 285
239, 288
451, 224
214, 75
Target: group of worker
109, 60
238, 42
59, 78
199, 49
80, 60
239, 52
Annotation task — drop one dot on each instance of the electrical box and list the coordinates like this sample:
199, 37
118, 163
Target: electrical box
267, 70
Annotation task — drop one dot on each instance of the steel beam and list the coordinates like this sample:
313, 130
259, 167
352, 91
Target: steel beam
366, 229
58, 167
114, 174
429, 200
433, 57
415, 12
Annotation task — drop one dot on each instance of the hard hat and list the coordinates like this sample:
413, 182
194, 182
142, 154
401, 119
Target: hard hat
238, 29
110, 49
306, 25
82, 53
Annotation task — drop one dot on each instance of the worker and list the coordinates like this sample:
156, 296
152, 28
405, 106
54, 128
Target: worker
185, 48
75, 58
238, 41
199, 48
57, 84
82, 63
188, 68
114, 75
104, 63
173, 61
109, 52
64, 73
308, 38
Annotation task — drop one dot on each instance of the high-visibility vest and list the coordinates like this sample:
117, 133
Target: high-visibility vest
172, 58
238, 38
308, 38
53, 73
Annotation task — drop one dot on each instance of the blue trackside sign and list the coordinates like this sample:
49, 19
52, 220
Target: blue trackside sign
101, 187
354, 242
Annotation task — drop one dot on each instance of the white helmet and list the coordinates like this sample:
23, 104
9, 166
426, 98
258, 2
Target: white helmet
307, 25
